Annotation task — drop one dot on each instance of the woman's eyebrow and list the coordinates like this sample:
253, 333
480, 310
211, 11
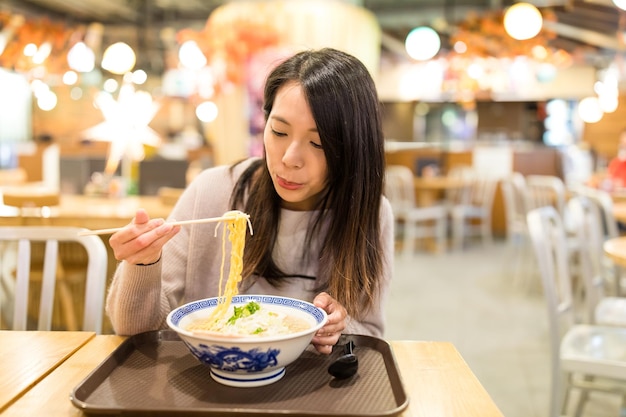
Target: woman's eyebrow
282, 120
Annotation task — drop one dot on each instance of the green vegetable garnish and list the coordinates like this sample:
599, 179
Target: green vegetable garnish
244, 311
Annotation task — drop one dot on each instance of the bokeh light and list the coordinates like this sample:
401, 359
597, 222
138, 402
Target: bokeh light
522, 21
422, 43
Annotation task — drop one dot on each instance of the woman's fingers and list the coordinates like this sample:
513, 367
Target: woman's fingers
141, 241
327, 336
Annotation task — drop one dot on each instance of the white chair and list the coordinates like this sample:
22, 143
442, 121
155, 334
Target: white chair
604, 203
547, 190
584, 356
516, 206
472, 217
96, 274
550, 190
587, 219
415, 222
515, 197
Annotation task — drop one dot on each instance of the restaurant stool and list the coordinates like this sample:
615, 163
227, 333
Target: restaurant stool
30, 200
41, 198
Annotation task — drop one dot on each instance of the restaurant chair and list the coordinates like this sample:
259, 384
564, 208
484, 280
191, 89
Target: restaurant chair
414, 221
52, 236
471, 217
550, 190
456, 196
584, 357
516, 207
604, 202
600, 309
547, 190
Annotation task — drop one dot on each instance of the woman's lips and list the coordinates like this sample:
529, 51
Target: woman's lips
286, 184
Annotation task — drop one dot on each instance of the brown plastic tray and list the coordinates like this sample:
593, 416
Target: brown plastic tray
155, 374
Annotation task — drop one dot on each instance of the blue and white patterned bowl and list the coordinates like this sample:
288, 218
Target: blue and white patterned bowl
247, 361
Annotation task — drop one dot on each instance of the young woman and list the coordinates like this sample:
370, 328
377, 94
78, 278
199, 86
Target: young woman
323, 232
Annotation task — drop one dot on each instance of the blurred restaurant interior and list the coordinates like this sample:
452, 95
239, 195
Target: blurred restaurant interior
111, 105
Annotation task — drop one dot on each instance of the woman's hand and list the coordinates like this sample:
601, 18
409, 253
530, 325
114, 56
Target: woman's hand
141, 241
327, 336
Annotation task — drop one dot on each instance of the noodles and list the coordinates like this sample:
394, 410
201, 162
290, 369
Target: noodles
262, 322
236, 230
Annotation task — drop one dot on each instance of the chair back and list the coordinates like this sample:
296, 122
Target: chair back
516, 203
483, 191
461, 195
604, 202
548, 237
546, 190
586, 215
95, 284
399, 188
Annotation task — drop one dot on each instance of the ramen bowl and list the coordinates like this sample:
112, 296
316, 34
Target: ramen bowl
247, 361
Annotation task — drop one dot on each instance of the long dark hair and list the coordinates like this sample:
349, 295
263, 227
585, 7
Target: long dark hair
343, 100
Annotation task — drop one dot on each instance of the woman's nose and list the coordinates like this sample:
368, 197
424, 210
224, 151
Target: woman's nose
293, 155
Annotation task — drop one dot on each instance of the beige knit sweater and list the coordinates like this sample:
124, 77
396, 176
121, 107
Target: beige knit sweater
140, 297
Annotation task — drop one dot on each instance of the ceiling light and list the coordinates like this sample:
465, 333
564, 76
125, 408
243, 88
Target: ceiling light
522, 21
422, 43
589, 110
119, 58
81, 58
190, 55
207, 111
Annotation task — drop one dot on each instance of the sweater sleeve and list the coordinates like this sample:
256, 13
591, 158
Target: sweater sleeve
373, 324
141, 296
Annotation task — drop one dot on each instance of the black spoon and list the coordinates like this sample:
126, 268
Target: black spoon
346, 365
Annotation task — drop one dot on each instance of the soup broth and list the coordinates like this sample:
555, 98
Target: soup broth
263, 322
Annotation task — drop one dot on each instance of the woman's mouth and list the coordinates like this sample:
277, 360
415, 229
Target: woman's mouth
287, 184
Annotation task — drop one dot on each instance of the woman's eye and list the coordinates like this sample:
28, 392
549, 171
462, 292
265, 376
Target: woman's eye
279, 134
316, 145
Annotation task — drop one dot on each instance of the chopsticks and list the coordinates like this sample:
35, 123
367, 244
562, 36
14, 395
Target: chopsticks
176, 223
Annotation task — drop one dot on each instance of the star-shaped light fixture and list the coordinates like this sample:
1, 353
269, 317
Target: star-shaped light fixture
125, 125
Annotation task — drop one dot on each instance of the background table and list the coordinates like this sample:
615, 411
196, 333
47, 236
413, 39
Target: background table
619, 211
615, 249
86, 211
429, 190
436, 378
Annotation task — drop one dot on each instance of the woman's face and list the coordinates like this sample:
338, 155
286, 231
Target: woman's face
293, 149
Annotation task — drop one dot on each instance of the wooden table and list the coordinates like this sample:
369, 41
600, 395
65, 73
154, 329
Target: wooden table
437, 379
28, 357
615, 249
429, 190
86, 211
619, 211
